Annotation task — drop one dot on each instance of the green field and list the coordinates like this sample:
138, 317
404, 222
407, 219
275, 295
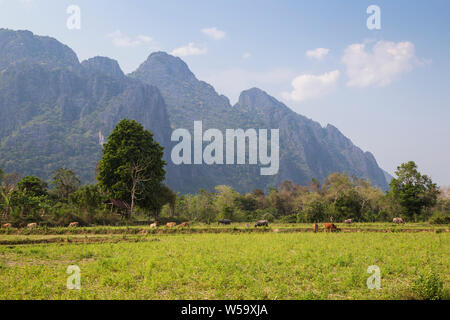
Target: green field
226, 265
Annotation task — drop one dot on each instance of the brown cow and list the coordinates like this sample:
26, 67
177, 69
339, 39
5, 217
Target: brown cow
154, 225
315, 228
32, 225
348, 221
74, 224
171, 224
184, 224
7, 225
398, 220
330, 227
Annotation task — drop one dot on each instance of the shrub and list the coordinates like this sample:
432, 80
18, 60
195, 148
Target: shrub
289, 219
268, 216
439, 217
428, 287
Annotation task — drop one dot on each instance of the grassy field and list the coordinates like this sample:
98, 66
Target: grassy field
226, 265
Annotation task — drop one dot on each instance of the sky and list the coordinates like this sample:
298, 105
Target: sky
387, 89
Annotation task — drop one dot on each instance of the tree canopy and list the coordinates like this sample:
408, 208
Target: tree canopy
412, 190
132, 168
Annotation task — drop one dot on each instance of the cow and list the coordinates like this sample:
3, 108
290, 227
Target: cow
348, 221
315, 228
330, 227
184, 224
74, 225
154, 225
171, 224
6, 226
398, 220
224, 221
32, 225
262, 223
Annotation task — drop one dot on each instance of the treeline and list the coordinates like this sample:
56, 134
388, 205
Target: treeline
131, 191
340, 196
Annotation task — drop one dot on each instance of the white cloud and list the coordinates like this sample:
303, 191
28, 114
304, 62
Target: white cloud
214, 33
246, 55
121, 40
189, 50
144, 38
318, 53
387, 62
308, 86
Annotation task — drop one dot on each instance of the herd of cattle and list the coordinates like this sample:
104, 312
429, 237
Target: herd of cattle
328, 227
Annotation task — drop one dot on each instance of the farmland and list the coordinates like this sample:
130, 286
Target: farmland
238, 262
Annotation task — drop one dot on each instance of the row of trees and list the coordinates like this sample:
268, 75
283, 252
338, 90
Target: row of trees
132, 171
413, 196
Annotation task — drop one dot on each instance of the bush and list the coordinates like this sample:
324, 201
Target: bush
268, 216
428, 287
289, 219
439, 217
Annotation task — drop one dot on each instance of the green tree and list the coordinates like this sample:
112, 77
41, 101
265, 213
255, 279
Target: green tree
33, 186
87, 197
164, 195
348, 205
131, 168
315, 209
412, 190
65, 182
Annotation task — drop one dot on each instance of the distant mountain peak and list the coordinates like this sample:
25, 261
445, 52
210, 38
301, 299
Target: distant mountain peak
23, 46
162, 62
256, 98
107, 66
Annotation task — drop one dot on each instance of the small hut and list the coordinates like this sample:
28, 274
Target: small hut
122, 207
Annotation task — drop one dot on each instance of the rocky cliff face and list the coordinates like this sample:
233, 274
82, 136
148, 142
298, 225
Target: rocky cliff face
306, 149
53, 110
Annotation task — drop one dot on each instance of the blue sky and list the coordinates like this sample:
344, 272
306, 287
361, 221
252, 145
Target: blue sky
387, 90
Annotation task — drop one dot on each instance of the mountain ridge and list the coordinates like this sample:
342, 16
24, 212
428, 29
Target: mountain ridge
54, 108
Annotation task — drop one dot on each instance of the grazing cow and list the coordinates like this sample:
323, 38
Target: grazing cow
330, 227
32, 225
74, 225
171, 224
6, 225
184, 224
154, 225
398, 220
348, 221
262, 223
315, 228
224, 221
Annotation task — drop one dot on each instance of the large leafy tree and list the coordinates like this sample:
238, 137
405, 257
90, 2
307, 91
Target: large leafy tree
65, 182
412, 190
132, 168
